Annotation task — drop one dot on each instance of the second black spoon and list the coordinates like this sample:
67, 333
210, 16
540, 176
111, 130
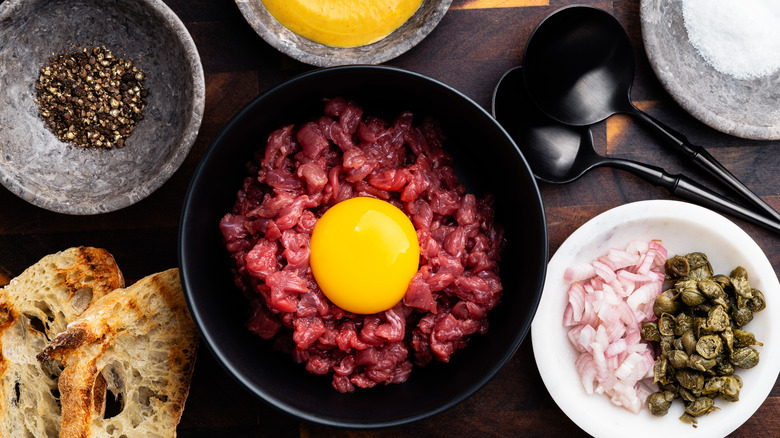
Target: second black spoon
558, 153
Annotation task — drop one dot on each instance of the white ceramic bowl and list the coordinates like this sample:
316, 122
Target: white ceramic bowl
683, 228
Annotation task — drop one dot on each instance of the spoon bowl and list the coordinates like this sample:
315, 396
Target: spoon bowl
556, 153
581, 65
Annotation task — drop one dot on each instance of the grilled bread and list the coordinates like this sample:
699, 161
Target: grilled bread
135, 345
34, 308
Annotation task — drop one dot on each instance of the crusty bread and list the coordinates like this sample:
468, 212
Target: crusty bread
34, 308
137, 344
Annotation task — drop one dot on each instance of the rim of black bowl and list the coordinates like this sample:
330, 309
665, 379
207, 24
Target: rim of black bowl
234, 372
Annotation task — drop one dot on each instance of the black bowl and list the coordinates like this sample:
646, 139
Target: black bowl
486, 160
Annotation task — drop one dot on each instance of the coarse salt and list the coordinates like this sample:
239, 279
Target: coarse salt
740, 39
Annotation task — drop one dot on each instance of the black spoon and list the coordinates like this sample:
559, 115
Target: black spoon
559, 153
579, 69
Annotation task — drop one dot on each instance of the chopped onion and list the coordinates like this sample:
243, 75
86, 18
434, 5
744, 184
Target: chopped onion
609, 300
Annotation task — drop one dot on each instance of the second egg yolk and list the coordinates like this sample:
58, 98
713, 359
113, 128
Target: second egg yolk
364, 253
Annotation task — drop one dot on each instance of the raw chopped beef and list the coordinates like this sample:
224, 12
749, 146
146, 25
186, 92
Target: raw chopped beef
295, 178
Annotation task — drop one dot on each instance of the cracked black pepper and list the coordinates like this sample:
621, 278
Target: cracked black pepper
91, 99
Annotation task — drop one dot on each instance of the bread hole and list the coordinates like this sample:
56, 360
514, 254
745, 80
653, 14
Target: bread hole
145, 395
55, 392
37, 325
114, 405
44, 307
17, 393
107, 393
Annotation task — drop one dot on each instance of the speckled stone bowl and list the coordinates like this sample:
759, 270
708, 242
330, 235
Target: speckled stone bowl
401, 40
63, 178
746, 108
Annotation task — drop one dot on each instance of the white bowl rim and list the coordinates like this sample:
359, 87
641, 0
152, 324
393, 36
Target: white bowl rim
555, 356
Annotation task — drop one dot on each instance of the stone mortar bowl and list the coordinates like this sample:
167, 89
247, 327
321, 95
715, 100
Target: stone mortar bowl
63, 178
401, 40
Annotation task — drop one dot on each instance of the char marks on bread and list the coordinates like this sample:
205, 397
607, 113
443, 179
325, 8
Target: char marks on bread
136, 344
34, 308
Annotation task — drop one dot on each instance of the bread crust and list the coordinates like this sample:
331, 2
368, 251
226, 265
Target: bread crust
137, 344
34, 308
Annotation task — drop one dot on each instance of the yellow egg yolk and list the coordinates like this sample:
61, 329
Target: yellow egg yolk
342, 23
364, 253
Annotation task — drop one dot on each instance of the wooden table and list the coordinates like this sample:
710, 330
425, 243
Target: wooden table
475, 43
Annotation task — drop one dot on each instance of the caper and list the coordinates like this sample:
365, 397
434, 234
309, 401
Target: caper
709, 346
659, 402
700, 336
677, 266
744, 357
757, 303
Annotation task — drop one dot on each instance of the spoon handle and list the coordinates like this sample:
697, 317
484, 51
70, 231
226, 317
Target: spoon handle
703, 159
685, 188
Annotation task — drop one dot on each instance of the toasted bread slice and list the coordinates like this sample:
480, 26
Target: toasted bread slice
34, 308
136, 345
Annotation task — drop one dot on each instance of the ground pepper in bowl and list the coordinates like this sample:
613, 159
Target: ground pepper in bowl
90, 98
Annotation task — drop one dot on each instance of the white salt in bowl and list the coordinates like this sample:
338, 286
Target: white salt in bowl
682, 228
741, 106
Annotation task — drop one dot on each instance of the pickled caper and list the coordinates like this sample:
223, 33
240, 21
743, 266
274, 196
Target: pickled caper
744, 357
739, 271
742, 287
722, 280
757, 303
699, 363
677, 358
744, 338
682, 323
717, 319
710, 288
690, 379
666, 303
659, 402
666, 325
700, 334
731, 387
700, 406
709, 346
650, 332
677, 266
741, 316
724, 367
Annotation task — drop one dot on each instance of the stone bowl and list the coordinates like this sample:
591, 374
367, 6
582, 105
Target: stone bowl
745, 108
486, 160
401, 40
68, 179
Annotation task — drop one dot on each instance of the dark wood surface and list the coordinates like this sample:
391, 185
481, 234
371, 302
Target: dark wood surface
476, 42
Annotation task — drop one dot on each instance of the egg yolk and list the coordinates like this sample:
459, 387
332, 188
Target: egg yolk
342, 23
364, 253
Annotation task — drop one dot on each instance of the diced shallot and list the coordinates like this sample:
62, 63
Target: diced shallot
608, 301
